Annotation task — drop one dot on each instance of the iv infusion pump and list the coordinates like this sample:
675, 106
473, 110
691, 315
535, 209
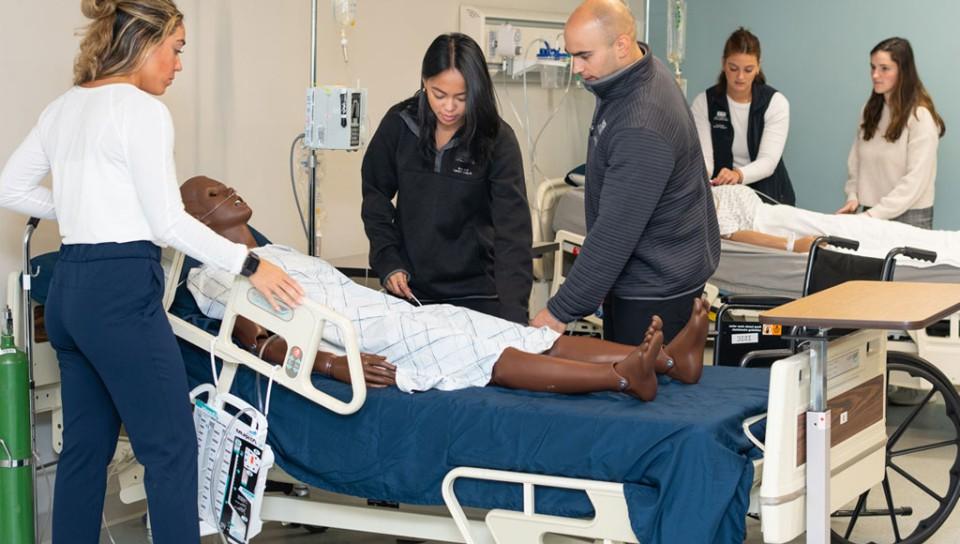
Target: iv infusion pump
335, 118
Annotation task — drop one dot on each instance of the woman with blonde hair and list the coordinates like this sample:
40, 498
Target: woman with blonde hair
892, 165
108, 143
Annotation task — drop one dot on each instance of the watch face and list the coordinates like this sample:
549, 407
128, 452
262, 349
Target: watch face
250, 265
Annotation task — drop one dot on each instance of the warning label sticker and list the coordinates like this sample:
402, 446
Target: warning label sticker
772, 330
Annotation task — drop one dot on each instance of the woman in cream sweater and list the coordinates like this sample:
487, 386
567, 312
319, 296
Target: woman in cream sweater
893, 163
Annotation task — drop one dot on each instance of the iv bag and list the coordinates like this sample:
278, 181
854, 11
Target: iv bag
676, 31
345, 12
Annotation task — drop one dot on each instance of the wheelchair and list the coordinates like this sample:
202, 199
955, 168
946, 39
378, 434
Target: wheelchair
905, 505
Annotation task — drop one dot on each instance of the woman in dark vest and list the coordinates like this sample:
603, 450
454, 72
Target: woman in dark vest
743, 123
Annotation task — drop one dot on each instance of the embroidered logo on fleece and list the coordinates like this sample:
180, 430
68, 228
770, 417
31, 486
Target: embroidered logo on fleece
720, 120
599, 131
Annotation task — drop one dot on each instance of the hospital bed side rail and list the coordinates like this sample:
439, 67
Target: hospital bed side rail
302, 328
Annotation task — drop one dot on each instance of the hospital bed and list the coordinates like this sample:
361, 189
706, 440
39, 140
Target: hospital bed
922, 364
746, 269
684, 468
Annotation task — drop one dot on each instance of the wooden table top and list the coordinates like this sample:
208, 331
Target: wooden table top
870, 305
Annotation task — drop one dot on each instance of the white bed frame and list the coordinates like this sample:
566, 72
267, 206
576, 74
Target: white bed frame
856, 362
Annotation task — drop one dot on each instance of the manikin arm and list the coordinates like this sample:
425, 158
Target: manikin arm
800, 245
271, 348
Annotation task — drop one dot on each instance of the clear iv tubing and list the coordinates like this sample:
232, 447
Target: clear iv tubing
526, 102
536, 140
532, 144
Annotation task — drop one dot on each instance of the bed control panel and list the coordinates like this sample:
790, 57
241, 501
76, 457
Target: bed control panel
258, 300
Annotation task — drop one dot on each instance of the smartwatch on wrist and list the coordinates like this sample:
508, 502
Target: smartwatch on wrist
250, 265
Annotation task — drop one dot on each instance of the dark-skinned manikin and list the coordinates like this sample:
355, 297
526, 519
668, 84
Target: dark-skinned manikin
572, 364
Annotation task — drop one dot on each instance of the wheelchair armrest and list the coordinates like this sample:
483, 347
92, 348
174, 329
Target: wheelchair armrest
750, 357
756, 301
919, 254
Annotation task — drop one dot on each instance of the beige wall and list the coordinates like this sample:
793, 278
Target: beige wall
239, 101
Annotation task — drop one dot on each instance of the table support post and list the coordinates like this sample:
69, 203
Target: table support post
818, 445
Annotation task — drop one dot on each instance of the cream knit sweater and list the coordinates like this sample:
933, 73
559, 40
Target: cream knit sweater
893, 177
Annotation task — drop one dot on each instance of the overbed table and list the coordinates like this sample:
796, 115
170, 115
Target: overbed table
851, 305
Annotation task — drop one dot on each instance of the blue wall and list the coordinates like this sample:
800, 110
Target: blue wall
817, 53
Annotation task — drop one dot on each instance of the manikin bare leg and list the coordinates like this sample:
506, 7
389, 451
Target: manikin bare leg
686, 349
632, 374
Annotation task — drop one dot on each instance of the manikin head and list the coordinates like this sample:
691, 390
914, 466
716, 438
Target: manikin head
601, 36
214, 204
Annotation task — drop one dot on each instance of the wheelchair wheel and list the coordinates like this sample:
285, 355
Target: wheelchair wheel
922, 481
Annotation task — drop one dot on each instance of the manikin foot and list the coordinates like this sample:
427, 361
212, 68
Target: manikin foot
637, 370
686, 348
656, 324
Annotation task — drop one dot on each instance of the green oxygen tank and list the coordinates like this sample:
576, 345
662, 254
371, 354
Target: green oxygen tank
16, 476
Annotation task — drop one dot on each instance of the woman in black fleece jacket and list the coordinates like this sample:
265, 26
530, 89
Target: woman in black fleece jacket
460, 231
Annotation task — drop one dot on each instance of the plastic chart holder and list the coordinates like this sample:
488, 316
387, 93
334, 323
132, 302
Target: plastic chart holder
233, 462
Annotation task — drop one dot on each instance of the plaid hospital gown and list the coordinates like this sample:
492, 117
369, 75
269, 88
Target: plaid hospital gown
439, 346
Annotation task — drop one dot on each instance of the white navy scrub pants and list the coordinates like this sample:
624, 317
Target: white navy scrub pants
119, 362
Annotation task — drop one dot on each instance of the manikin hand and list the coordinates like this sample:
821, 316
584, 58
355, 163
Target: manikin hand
377, 372
248, 333
802, 245
545, 319
273, 283
397, 284
727, 176
850, 207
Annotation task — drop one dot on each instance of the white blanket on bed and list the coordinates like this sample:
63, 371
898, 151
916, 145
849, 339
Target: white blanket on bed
740, 209
876, 236
439, 346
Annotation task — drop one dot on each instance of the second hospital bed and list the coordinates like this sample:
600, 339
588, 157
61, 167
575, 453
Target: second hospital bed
744, 269
604, 466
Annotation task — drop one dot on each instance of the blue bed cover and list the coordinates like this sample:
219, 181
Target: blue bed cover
684, 462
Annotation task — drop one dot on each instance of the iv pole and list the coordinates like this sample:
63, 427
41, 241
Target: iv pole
312, 248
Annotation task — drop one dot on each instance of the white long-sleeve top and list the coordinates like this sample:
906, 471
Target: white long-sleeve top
776, 126
110, 149
893, 177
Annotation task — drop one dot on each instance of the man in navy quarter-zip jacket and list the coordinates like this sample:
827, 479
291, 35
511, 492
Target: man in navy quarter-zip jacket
652, 237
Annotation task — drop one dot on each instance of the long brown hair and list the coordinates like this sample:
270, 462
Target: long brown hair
741, 41
120, 33
908, 94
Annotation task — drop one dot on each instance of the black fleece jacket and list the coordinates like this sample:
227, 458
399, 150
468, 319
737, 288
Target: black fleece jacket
460, 229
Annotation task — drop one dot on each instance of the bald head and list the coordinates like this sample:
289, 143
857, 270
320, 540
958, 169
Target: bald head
612, 17
601, 36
